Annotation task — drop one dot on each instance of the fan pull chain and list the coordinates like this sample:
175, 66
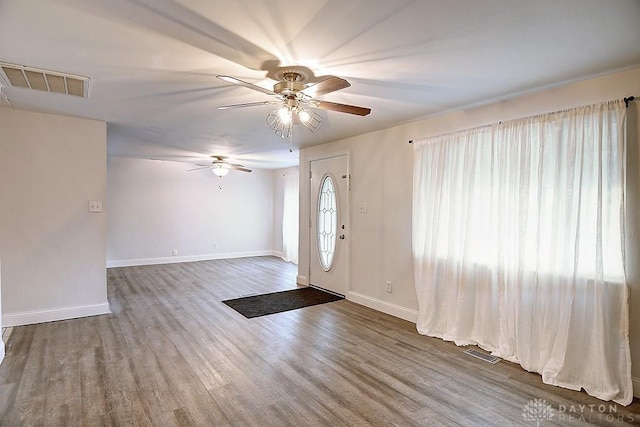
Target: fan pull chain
291, 137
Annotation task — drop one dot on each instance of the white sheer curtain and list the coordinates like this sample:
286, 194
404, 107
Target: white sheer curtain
518, 237
290, 219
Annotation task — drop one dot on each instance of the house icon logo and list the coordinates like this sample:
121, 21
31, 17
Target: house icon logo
537, 410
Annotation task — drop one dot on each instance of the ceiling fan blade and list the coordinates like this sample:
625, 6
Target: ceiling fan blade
248, 104
239, 82
239, 168
343, 108
201, 167
330, 84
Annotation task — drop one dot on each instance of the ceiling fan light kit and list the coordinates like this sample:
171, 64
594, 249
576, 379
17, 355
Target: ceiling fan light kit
219, 170
295, 93
310, 119
220, 166
281, 127
282, 119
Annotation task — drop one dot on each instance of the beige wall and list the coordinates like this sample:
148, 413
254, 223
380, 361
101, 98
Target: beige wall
278, 205
52, 248
1, 341
382, 170
633, 238
156, 206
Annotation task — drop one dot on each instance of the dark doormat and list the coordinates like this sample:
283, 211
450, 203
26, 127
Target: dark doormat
277, 302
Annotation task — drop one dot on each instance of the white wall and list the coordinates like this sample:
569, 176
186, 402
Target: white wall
52, 248
381, 173
155, 207
633, 236
1, 340
380, 239
278, 205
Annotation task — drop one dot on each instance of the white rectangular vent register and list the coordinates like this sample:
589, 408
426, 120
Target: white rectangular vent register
44, 80
482, 356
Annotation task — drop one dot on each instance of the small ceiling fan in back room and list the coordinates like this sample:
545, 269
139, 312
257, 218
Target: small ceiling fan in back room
220, 166
295, 90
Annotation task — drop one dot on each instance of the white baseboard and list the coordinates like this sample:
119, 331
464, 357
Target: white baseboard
51, 315
1, 350
189, 258
302, 280
636, 386
384, 306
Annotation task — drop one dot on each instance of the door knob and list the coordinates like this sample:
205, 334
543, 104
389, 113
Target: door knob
342, 237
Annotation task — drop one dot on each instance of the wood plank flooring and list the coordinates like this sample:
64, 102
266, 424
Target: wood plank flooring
172, 354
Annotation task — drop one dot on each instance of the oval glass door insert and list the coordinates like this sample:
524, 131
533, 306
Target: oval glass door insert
327, 222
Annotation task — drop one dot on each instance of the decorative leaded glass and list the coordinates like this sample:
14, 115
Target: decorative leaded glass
327, 222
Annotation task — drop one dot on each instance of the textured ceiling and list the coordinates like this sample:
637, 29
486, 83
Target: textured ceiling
152, 63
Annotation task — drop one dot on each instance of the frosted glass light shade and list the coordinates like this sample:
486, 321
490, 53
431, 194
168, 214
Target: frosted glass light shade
220, 170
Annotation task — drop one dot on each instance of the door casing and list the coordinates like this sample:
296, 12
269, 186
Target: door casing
344, 218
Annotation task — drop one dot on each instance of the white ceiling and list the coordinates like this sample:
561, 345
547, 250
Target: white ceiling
152, 63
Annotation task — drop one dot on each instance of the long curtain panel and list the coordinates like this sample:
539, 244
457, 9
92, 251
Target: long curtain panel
290, 220
518, 244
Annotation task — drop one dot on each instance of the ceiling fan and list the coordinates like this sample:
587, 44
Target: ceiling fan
296, 91
220, 166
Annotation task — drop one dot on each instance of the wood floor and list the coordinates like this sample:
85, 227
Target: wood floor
172, 354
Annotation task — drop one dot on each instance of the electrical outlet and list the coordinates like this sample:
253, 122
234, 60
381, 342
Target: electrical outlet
174, 252
389, 286
95, 207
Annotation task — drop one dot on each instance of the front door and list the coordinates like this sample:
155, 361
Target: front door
328, 232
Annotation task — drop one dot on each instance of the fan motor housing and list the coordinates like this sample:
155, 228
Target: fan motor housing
288, 87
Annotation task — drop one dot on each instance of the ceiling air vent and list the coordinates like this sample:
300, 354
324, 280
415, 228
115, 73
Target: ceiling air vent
45, 80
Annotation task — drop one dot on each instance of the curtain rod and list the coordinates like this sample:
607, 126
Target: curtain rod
626, 103
629, 99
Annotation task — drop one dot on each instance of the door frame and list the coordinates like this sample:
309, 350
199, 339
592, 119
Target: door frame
347, 215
